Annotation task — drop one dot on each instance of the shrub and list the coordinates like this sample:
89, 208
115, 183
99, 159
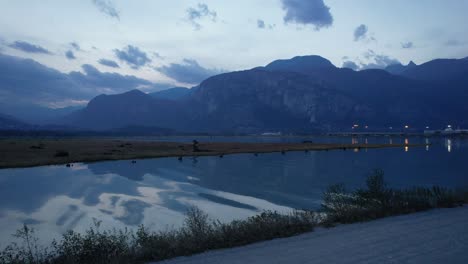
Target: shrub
198, 234
61, 154
377, 200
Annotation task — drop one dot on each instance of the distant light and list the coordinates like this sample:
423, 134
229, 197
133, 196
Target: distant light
366, 127
427, 127
406, 126
449, 126
390, 127
356, 126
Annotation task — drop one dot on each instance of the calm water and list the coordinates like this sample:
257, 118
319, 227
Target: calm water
156, 192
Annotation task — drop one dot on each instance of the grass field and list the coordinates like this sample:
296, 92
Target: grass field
36, 152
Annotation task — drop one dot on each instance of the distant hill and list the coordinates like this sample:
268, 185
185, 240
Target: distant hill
130, 109
11, 123
37, 115
438, 70
301, 64
176, 93
303, 94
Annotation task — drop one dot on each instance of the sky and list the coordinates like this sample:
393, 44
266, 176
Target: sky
107, 46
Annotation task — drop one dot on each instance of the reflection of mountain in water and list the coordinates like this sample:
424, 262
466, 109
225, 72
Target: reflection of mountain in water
296, 179
67, 198
266, 176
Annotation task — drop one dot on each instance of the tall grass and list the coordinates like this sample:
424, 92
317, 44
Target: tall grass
378, 200
199, 233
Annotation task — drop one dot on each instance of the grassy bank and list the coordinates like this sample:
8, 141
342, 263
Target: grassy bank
36, 152
199, 233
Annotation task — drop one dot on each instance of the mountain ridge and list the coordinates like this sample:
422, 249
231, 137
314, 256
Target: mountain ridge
305, 93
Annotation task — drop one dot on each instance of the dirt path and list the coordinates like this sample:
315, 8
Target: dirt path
438, 236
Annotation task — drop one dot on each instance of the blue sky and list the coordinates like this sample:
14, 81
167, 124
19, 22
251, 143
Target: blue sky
180, 42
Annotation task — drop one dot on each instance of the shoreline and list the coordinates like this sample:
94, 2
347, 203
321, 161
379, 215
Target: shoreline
442, 226
21, 153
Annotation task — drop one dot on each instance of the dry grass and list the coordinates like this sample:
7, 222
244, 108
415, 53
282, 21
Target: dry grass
35, 152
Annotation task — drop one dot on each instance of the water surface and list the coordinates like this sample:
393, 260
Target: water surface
156, 192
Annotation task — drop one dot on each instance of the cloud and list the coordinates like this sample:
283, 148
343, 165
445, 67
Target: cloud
158, 56
28, 47
107, 82
360, 32
69, 54
310, 12
107, 7
133, 56
109, 63
377, 61
350, 65
454, 42
24, 81
262, 25
201, 11
188, 72
27, 82
407, 45
75, 46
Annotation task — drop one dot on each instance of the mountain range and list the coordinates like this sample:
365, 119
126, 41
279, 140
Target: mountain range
302, 94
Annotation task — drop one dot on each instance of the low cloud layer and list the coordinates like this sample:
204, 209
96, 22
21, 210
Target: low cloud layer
28, 47
133, 56
372, 60
198, 13
360, 32
27, 82
189, 71
310, 12
108, 8
377, 61
350, 65
105, 81
108, 63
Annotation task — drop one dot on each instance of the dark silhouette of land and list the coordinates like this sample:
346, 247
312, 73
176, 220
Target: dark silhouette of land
36, 152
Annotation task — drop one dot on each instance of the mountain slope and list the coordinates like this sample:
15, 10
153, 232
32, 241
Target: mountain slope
11, 123
176, 93
301, 64
304, 94
437, 70
324, 98
130, 109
